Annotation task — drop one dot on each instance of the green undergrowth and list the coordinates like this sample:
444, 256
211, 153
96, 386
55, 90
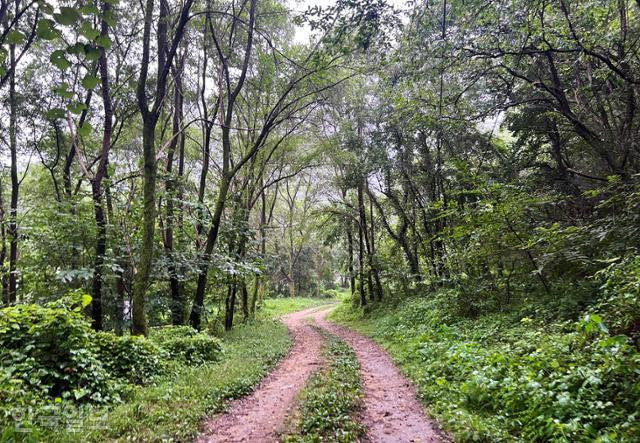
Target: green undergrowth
509, 376
330, 399
172, 408
159, 389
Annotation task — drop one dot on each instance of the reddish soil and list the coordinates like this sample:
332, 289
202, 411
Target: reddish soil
259, 417
391, 412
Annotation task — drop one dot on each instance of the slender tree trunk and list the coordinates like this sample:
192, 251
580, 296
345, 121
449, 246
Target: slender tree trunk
123, 268
3, 249
363, 296
376, 272
198, 303
96, 183
374, 289
148, 230
100, 250
13, 209
177, 300
165, 54
230, 305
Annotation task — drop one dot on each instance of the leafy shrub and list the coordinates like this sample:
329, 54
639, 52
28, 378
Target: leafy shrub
49, 350
620, 304
188, 345
131, 358
166, 333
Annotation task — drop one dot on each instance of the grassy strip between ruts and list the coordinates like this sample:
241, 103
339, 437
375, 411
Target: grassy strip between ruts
329, 401
172, 407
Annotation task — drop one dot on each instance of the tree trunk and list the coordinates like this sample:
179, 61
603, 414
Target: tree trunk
15, 184
198, 303
139, 319
363, 297
3, 249
96, 182
177, 301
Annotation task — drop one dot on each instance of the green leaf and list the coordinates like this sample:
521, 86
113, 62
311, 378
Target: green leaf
110, 18
63, 91
76, 107
89, 10
59, 60
46, 30
90, 81
67, 16
91, 53
86, 300
55, 113
88, 31
103, 41
85, 129
15, 37
76, 49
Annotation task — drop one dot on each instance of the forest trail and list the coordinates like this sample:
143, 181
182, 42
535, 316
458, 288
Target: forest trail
259, 417
391, 412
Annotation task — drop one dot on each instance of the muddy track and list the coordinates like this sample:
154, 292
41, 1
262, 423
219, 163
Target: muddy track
259, 417
391, 411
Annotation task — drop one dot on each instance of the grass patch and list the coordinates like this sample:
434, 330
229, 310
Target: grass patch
172, 409
508, 376
330, 399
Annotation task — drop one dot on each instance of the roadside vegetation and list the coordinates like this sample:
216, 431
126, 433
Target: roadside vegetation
68, 383
521, 375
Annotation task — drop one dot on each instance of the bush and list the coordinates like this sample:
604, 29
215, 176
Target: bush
188, 345
48, 350
130, 358
166, 333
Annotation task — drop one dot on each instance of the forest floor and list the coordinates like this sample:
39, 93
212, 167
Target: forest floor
390, 410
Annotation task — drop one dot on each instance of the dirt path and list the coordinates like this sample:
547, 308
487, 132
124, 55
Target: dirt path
392, 412
258, 417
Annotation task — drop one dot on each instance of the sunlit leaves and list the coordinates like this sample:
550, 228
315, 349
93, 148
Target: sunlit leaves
55, 113
90, 81
67, 16
46, 30
85, 129
76, 107
59, 59
87, 30
63, 91
15, 37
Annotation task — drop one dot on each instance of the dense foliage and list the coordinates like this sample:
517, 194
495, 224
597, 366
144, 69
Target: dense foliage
509, 376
